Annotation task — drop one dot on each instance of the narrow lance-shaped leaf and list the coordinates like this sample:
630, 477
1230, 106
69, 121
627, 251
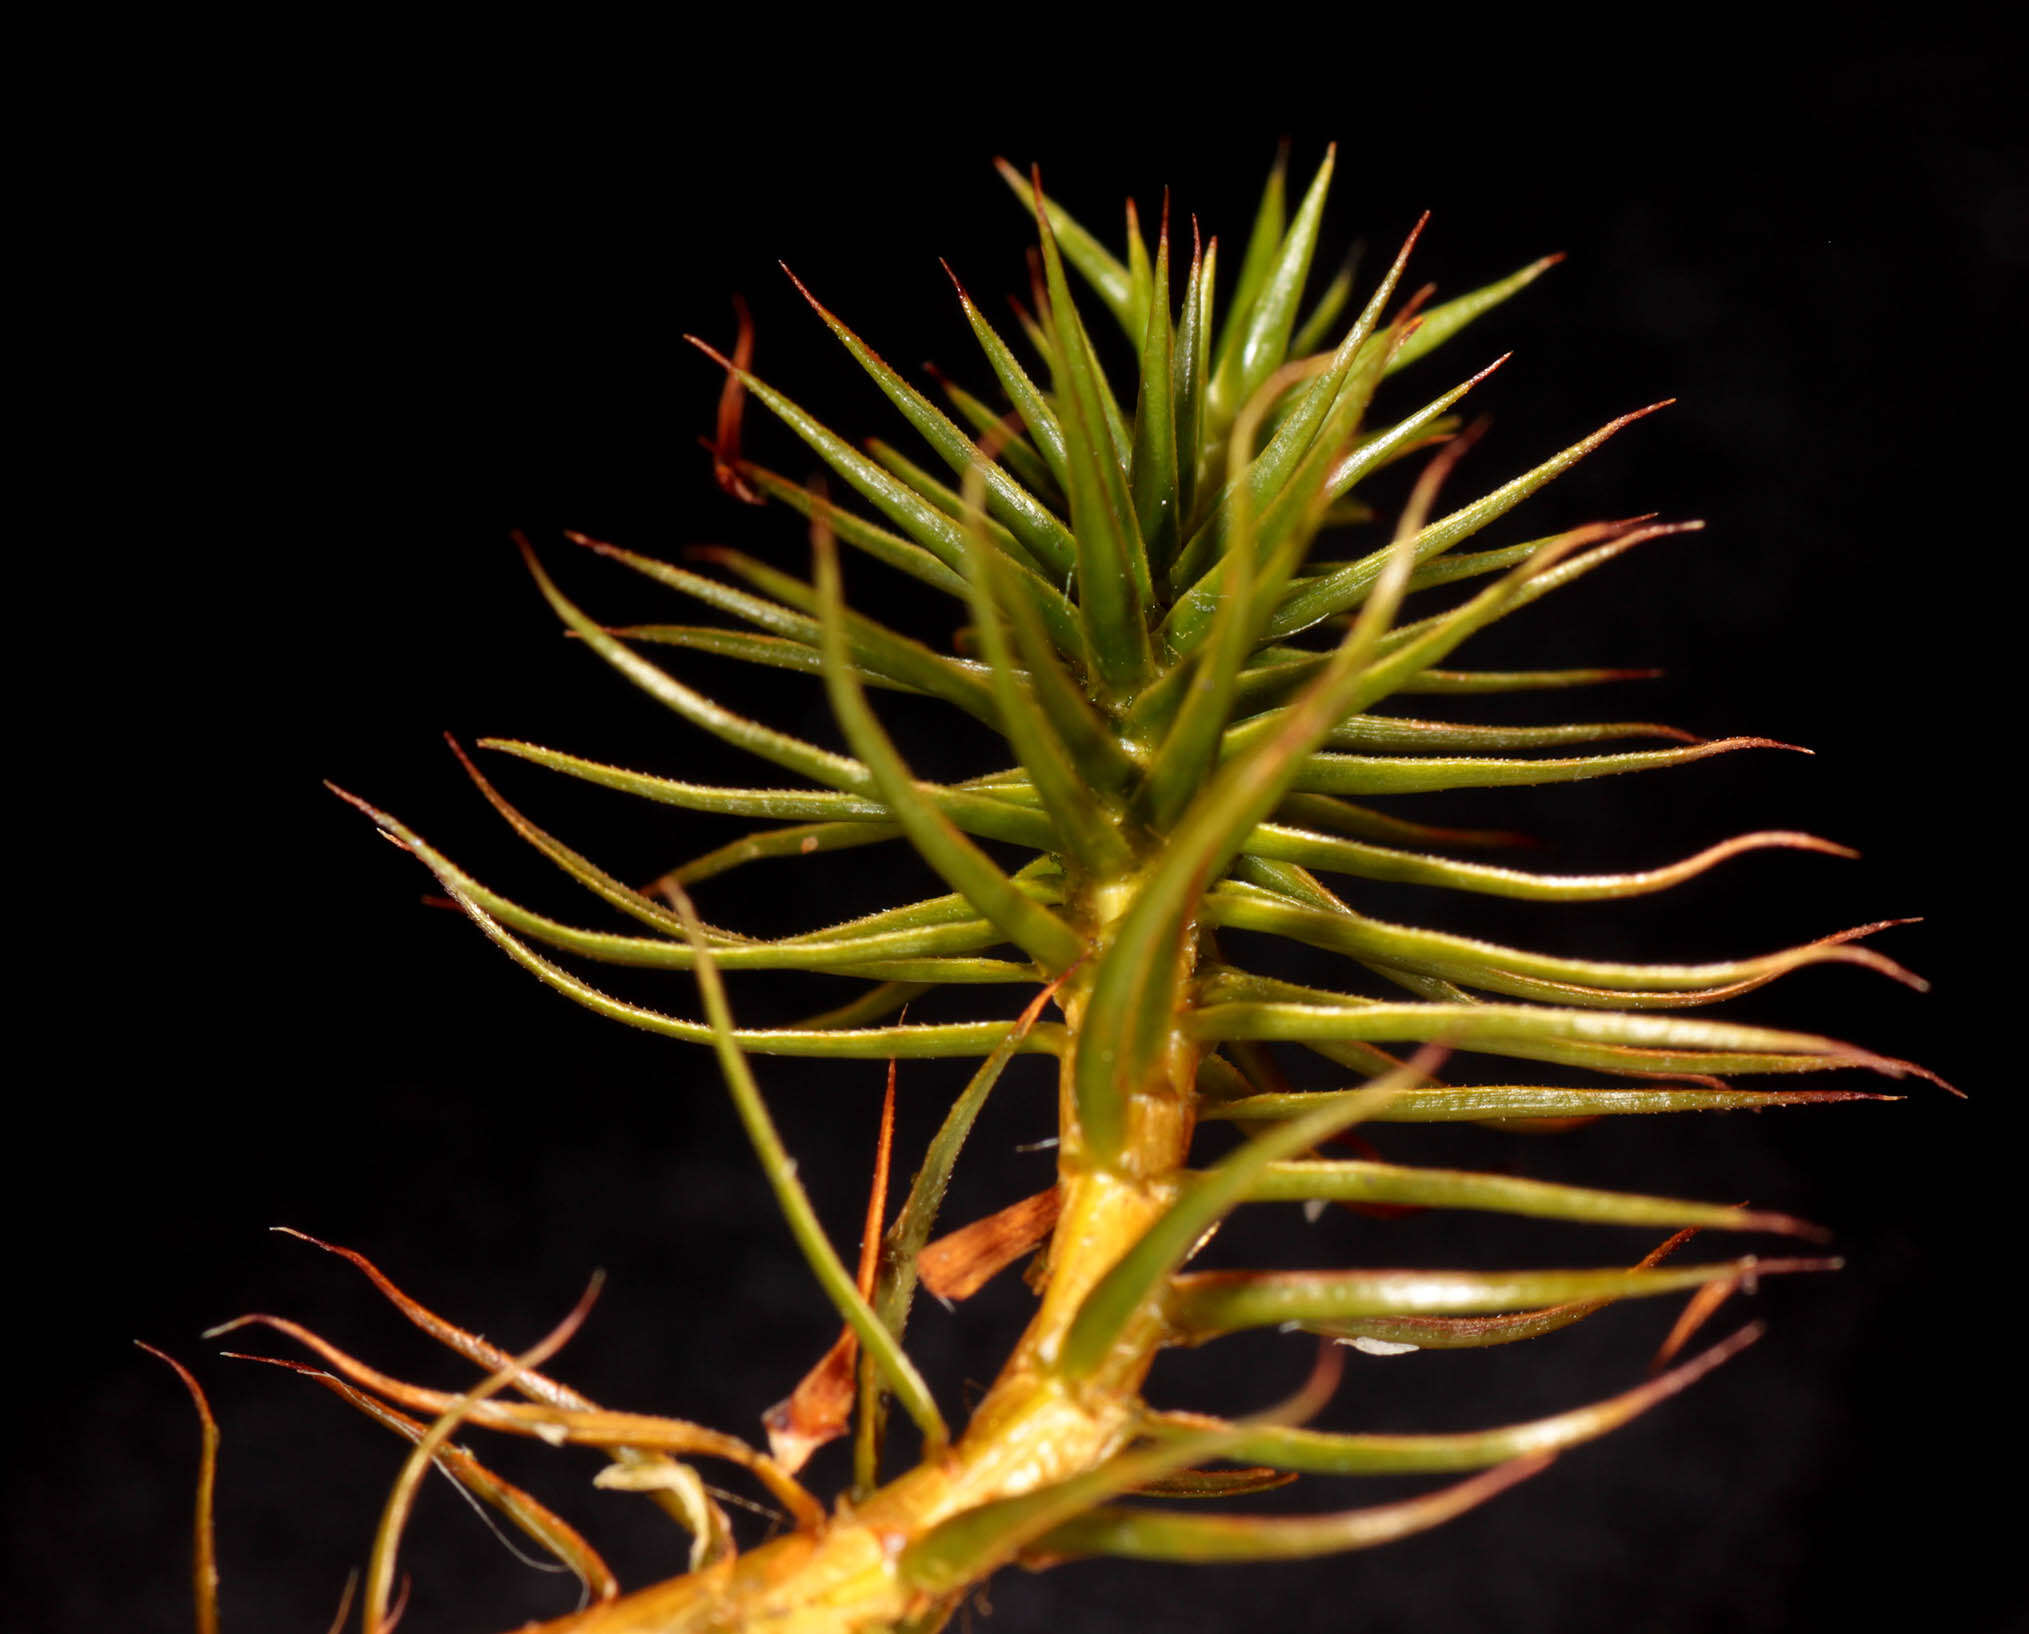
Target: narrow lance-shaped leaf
1088, 830
1317, 323
875, 946
1140, 273
1332, 816
1360, 1182
922, 954
1291, 522
928, 527
1319, 1452
926, 485
872, 644
1404, 652
456, 881
1282, 884
1301, 447
595, 879
1119, 430
914, 1041
1277, 670
802, 839
765, 651
949, 909
996, 814
1587, 1038
1190, 747
820, 1408
1499, 1102
812, 804
967, 869
1113, 583
1386, 732
1315, 599
1206, 1304
1041, 534
923, 522
756, 610
902, 554
1521, 680
1474, 564
830, 1271
1020, 455
1384, 447
1183, 1535
1129, 1018
1037, 328
204, 1547
1369, 861
1263, 340
1412, 646
1441, 322
1394, 1334
1264, 239
1140, 1274
1383, 774
725, 442
1619, 536
895, 1286
806, 759
1152, 471
878, 649
1028, 399
875, 1004
1091, 741
1215, 1483
1110, 280
1476, 963
1190, 368
973, 1542
1261, 1007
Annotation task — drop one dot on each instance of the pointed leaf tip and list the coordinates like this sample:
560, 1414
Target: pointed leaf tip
380, 818
724, 443
204, 1550
712, 352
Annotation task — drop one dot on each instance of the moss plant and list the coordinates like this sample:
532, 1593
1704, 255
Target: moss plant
1201, 673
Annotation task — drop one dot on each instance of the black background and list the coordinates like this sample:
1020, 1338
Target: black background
374, 316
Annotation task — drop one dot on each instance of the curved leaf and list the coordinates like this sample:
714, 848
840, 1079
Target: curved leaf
1206, 1304
1385, 774
1113, 582
1318, 599
1046, 539
1493, 1102
968, 869
1369, 861
1357, 1182
1182, 1535
1586, 1038
839, 1286
994, 814
1318, 1452
1207, 1198
1110, 280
